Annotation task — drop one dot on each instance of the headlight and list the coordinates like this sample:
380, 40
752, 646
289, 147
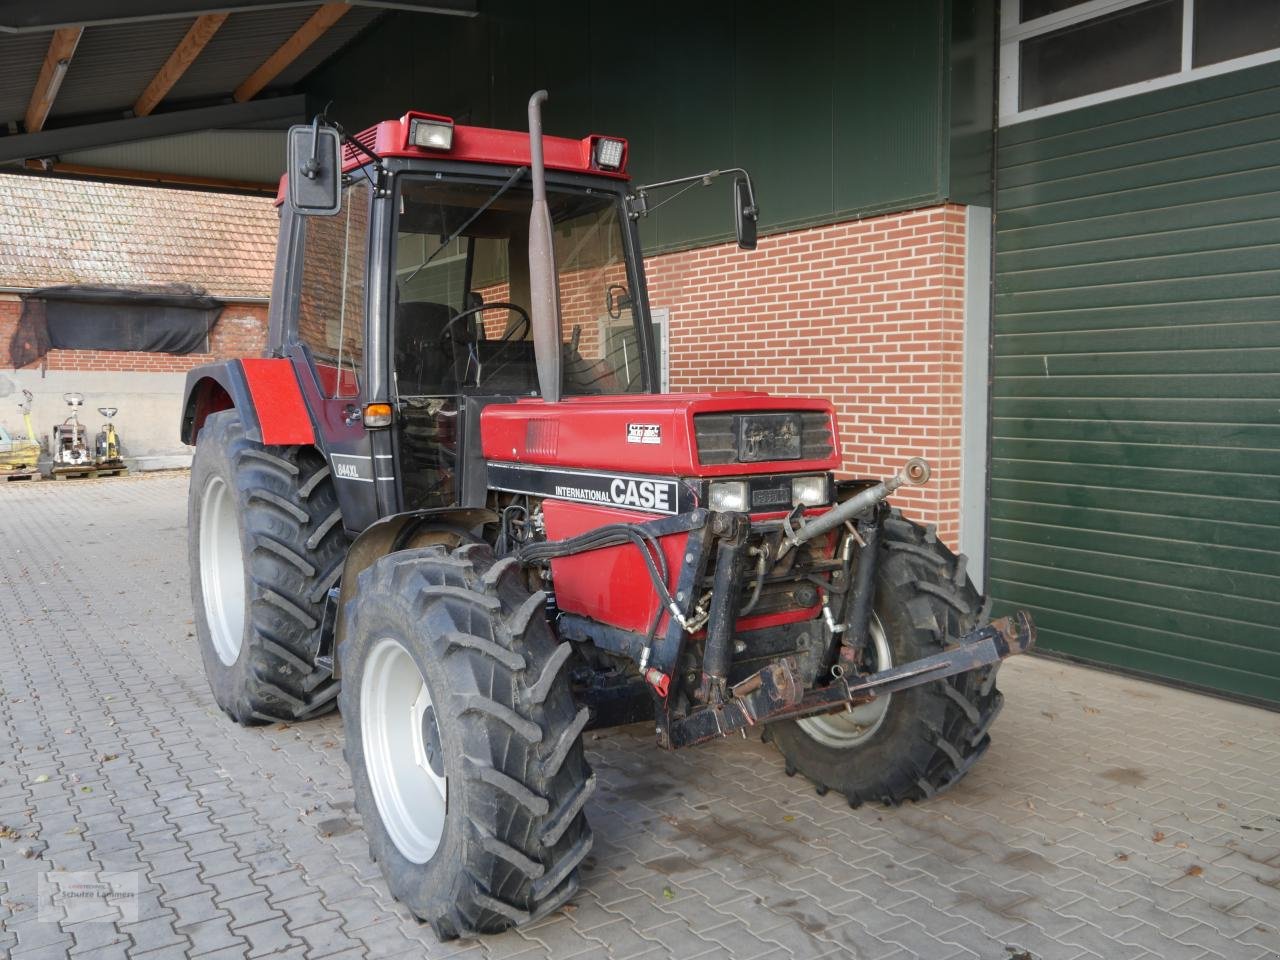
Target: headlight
728, 495
809, 491
431, 134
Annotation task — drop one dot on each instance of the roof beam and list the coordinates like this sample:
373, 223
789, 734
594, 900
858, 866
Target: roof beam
49, 143
290, 50
184, 54
150, 177
56, 60
40, 16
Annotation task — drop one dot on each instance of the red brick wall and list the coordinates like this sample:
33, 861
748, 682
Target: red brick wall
240, 331
867, 313
10, 311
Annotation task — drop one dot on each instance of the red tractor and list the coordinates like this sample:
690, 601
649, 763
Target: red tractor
453, 502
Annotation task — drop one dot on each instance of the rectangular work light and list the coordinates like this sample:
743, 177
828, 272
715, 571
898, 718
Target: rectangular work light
609, 153
431, 134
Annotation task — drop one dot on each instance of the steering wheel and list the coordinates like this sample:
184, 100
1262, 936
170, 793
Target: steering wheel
523, 327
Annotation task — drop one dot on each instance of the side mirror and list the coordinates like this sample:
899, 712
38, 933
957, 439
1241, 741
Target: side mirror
746, 215
314, 167
616, 299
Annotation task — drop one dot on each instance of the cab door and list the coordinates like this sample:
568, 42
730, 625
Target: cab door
328, 350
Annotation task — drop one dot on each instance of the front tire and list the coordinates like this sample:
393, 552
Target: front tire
266, 544
463, 739
920, 741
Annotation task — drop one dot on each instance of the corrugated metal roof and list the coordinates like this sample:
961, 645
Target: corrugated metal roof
20, 59
112, 66
247, 39
114, 62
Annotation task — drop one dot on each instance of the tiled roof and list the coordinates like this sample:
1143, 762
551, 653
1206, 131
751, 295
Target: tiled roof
56, 231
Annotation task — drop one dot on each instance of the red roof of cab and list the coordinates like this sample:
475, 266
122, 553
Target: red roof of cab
390, 138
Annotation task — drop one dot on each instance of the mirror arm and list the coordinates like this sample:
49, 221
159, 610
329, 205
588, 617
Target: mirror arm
638, 200
312, 166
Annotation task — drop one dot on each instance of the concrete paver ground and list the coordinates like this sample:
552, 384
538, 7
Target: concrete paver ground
1111, 818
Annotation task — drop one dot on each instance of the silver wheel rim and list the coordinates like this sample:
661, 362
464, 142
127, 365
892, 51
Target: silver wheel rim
222, 570
410, 795
849, 728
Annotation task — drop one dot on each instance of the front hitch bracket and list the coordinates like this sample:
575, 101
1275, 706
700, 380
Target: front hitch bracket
775, 693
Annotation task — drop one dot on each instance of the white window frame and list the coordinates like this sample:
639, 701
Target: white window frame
658, 318
1012, 33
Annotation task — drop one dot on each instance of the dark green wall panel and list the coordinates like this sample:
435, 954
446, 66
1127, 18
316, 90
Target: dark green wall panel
1135, 475
838, 109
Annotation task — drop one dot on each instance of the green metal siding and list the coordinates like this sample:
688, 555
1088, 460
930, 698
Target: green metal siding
838, 109
1135, 476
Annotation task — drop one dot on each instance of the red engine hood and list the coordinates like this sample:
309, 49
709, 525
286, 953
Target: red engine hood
650, 433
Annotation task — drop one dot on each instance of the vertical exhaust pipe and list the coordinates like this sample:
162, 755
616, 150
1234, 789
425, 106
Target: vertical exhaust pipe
544, 290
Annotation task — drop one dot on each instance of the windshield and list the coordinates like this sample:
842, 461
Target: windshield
461, 246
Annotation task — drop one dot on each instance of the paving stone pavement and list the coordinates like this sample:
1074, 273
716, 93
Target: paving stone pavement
1111, 818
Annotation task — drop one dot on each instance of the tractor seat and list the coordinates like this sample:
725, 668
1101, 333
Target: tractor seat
423, 365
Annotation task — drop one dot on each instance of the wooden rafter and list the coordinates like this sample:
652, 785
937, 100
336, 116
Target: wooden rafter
290, 50
184, 54
56, 60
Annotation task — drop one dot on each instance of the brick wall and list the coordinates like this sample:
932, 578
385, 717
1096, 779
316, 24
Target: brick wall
240, 331
868, 314
10, 311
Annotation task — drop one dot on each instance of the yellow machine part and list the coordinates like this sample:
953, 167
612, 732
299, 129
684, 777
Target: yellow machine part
19, 454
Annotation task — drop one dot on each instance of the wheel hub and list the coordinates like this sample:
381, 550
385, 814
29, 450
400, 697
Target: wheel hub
850, 728
403, 753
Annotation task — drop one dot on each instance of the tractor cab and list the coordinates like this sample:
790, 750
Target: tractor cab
414, 302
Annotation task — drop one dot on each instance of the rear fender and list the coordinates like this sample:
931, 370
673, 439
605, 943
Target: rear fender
265, 392
212, 388
402, 531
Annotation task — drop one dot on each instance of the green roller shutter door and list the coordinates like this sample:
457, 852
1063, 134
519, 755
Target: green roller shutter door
1135, 477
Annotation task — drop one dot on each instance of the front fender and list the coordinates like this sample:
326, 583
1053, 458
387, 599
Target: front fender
401, 531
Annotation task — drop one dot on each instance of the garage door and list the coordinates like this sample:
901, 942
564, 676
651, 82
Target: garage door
1136, 413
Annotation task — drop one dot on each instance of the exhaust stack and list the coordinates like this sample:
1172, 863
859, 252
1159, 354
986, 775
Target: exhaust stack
544, 290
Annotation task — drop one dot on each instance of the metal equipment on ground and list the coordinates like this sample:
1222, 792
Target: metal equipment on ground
75, 456
20, 455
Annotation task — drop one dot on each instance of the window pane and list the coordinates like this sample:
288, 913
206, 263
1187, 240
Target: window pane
492, 352
1226, 29
331, 301
1121, 48
1032, 9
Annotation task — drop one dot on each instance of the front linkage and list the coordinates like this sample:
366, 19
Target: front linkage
694, 707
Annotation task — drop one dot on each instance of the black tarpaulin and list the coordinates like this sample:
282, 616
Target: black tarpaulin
169, 318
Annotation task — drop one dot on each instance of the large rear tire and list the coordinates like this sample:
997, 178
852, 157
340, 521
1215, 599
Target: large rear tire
463, 739
918, 742
266, 544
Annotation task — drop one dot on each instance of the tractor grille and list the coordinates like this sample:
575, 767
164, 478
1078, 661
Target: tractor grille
717, 435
